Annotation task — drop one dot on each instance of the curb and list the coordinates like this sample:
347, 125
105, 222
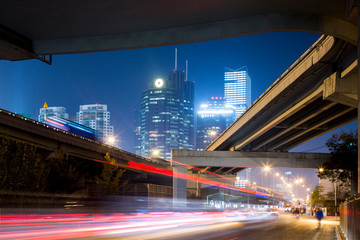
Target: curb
339, 235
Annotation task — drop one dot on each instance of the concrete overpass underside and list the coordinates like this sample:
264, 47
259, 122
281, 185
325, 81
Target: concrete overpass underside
240, 160
31, 29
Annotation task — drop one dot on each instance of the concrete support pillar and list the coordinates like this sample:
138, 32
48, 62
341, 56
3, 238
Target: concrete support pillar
179, 183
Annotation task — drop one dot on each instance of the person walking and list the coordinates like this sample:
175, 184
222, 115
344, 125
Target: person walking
319, 215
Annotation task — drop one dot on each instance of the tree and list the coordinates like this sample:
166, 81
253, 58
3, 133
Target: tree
317, 199
342, 167
21, 167
110, 176
64, 174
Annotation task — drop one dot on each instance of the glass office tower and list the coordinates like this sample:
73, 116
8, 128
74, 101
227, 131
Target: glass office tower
167, 116
238, 89
212, 119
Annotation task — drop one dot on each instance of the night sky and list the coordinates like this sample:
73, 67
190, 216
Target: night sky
117, 78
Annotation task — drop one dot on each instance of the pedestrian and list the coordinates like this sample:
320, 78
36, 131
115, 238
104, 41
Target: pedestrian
319, 215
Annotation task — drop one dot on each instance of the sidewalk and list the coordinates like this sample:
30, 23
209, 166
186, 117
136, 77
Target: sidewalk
327, 231
328, 228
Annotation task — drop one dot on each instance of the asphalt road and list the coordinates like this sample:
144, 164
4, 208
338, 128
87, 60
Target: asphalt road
284, 227
165, 226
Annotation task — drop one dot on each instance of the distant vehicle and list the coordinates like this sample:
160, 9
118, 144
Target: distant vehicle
72, 127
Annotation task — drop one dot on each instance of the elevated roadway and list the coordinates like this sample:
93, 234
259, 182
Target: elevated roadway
317, 94
59, 143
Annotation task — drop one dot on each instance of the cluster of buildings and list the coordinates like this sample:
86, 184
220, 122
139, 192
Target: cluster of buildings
167, 119
95, 116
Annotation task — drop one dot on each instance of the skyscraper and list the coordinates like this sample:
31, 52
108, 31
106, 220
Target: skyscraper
137, 132
238, 89
167, 115
212, 119
52, 111
96, 116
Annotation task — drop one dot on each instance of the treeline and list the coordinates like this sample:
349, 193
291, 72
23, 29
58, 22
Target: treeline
25, 168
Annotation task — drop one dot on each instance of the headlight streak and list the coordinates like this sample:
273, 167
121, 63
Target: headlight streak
195, 229
92, 226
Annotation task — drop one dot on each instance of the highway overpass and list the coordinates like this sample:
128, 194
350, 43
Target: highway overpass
34, 29
317, 94
59, 143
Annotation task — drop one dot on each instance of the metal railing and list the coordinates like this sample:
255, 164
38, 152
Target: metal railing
350, 219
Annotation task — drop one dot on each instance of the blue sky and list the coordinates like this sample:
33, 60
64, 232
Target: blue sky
117, 78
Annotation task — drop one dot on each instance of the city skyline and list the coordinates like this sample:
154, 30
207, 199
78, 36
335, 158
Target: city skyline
118, 78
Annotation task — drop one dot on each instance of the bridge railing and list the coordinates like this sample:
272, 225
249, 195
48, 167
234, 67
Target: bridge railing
350, 219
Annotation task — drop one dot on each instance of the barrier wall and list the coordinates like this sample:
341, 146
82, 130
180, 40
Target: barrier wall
350, 219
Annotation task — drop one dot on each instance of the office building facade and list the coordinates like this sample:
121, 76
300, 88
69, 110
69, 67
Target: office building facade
96, 116
52, 112
212, 119
238, 89
167, 116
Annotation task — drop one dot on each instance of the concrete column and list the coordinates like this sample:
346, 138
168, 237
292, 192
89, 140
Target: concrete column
179, 184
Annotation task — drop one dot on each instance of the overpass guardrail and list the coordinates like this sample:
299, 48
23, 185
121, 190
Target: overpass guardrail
350, 219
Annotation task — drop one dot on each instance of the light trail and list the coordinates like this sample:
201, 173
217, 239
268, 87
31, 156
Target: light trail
113, 225
166, 172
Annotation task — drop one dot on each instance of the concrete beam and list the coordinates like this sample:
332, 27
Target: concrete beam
199, 32
342, 89
248, 159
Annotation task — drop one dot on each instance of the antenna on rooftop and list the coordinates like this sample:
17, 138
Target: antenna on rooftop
175, 58
187, 69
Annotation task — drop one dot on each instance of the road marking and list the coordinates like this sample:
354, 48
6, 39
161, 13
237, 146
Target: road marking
316, 235
269, 228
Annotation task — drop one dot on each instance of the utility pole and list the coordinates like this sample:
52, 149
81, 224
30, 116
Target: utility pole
335, 200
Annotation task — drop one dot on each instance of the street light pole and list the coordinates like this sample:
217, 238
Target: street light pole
335, 200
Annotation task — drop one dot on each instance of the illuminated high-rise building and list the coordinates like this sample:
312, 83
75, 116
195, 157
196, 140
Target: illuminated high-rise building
52, 111
238, 89
212, 119
167, 116
137, 132
96, 116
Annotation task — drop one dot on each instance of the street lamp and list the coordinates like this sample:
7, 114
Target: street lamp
212, 133
111, 140
265, 170
155, 153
